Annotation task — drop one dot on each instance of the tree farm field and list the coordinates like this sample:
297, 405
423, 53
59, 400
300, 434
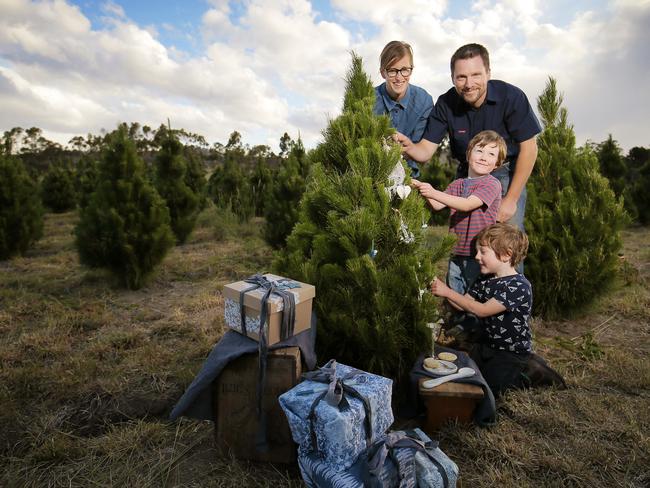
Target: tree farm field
90, 372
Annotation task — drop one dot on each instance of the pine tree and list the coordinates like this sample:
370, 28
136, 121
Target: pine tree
284, 194
21, 213
614, 168
86, 177
58, 189
638, 163
573, 217
125, 227
258, 182
170, 176
195, 176
361, 247
229, 188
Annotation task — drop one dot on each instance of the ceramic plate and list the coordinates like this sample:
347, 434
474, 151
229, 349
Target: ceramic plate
446, 367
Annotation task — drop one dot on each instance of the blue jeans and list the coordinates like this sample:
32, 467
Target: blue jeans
504, 175
462, 272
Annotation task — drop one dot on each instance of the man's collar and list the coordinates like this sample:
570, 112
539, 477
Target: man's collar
492, 95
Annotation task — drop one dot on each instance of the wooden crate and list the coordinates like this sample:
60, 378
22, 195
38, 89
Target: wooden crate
235, 402
450, 400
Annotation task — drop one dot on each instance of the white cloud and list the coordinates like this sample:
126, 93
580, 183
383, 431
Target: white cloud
272, 66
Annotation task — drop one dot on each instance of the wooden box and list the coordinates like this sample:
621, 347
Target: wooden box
304, 296
235, 402
450, 400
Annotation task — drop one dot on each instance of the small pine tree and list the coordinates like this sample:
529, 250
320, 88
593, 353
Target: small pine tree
641, 196
21, 213
259, 181
285, 192
125, 227
58, 189
638, 162
362, 248
573, 218
613, 167
229, 189
86, 177
195, 176
170, 176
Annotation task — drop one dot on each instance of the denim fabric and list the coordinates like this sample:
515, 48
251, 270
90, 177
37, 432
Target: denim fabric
408, 116
504, 175
462, 272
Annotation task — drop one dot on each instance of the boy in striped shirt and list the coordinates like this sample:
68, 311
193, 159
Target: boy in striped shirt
474, 202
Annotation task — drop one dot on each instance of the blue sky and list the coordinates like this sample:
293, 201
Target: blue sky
264, 67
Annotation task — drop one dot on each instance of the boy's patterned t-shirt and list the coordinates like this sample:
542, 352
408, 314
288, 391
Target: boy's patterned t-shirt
509, 330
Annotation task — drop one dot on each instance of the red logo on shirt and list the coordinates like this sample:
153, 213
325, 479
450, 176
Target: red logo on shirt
462, 131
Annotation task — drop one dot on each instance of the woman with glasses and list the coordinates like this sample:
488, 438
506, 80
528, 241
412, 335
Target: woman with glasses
407, 105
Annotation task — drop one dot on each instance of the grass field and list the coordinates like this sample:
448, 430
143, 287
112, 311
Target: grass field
89, 373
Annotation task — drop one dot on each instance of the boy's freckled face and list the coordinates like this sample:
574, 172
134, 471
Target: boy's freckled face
483, 159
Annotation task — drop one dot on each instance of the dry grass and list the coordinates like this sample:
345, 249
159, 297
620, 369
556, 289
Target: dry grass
89, 373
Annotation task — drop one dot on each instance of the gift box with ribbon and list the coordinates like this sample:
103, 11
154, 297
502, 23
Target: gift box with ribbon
275, 306
337, 412
405, 459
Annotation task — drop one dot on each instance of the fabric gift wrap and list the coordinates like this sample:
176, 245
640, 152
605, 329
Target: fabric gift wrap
268, 308
405, 459
337, 412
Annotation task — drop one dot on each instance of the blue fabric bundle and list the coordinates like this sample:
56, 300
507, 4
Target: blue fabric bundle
337, 412
404, 459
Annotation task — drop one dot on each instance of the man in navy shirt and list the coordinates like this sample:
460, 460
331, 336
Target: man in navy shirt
477, 103
407, 105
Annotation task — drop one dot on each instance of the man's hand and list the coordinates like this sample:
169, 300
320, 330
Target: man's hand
439, 289
403, 141
507, 209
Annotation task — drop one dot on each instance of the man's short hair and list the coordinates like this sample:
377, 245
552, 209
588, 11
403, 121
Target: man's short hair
393, 51
505, 239
486, 137
469, 51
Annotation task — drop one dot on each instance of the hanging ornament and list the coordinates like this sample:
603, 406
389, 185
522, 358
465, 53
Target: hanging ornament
405, 235
373, 251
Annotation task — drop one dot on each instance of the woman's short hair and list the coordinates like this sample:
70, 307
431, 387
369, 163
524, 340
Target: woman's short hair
393, 51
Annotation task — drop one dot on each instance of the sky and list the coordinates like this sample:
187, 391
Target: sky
266, 67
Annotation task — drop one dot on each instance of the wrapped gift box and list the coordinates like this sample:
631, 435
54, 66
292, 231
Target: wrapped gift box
340, 430
303, 293
234, 400
404, 466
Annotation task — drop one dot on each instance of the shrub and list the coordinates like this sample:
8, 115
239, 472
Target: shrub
573, 218
58, 189
21, 213
125, 227
170, 181
284, 194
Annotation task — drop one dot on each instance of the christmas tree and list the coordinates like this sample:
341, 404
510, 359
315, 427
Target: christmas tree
21, 214
57, 189
125, 227
284, 194
182, 202
359, 239
573, 218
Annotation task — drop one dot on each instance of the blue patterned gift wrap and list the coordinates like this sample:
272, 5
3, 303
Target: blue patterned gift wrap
405, 459
339, 425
